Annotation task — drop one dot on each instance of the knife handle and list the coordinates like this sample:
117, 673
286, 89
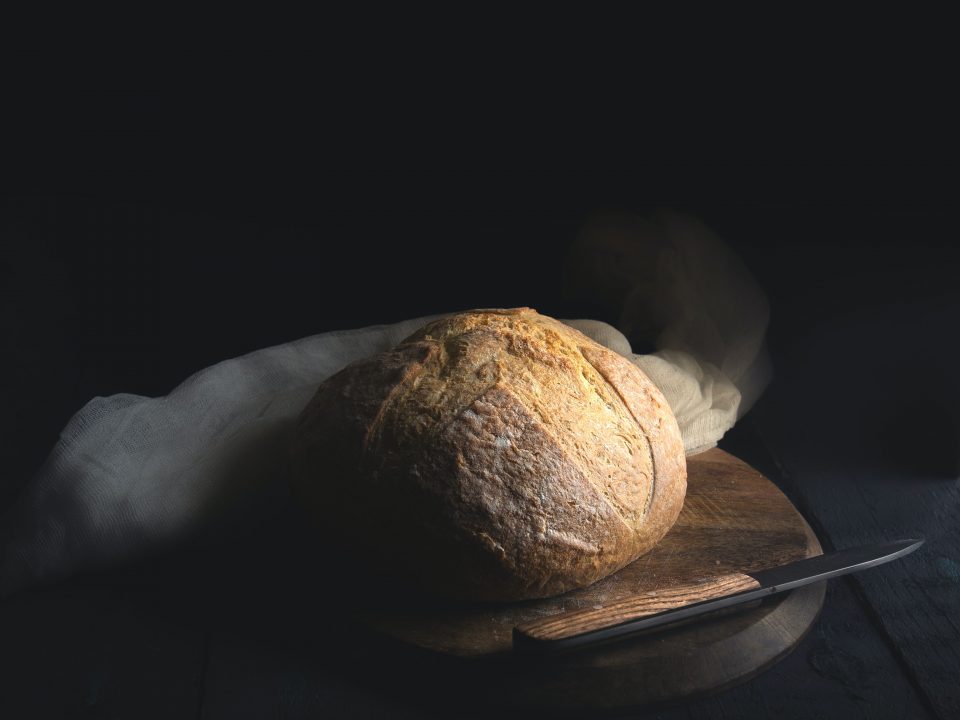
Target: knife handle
577, 622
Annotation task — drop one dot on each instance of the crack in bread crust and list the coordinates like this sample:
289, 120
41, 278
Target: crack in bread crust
643, 430
372, 436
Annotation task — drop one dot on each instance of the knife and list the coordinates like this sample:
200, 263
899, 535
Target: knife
683, 602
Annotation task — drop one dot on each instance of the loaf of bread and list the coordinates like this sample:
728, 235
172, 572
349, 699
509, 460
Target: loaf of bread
492, 455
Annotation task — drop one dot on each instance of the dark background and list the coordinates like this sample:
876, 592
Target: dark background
145, 234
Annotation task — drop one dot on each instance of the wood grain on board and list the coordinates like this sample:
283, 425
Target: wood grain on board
566, 625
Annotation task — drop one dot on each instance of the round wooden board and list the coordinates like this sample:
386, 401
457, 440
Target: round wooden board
733, 519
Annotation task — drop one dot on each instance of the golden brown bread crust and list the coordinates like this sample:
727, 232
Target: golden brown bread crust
492, 455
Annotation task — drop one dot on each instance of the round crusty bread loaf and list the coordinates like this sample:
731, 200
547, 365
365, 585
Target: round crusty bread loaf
492, 455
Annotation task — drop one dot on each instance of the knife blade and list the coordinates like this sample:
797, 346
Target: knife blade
681, 603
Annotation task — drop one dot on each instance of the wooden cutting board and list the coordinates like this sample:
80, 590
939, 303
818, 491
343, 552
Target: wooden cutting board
733, 519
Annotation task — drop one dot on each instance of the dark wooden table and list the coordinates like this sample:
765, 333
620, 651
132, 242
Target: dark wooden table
860, 433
